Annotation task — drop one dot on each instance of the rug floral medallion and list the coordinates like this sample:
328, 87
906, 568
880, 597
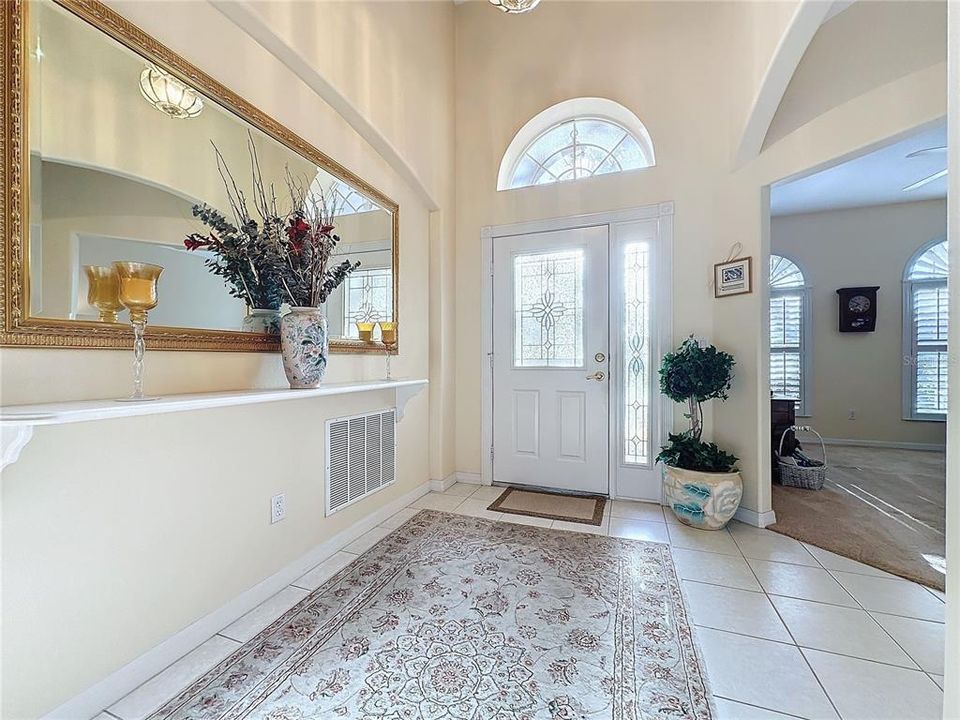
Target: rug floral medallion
459, 618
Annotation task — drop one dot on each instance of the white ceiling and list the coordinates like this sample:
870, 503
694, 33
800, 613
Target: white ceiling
876, 178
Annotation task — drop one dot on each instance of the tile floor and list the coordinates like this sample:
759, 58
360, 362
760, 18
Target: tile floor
786, 630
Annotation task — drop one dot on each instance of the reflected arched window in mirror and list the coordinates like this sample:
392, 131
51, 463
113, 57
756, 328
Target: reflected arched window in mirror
789, 330
925, 320
573, 140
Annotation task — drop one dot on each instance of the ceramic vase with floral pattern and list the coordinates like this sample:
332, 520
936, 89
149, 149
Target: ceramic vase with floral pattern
304, 346
704, 500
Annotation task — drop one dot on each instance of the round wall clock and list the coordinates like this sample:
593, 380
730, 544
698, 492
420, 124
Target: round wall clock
858, 309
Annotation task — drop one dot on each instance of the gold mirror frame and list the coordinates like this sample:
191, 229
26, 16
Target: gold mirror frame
17, 328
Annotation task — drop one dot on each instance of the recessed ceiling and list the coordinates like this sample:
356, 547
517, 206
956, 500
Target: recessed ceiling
876, 178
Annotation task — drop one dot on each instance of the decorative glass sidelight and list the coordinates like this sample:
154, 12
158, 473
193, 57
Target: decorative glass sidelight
636, 354
548, 308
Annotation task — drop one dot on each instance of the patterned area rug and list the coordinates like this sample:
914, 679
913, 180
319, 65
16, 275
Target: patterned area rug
458, 618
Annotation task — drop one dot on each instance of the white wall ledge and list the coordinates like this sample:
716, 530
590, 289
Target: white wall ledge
17, 421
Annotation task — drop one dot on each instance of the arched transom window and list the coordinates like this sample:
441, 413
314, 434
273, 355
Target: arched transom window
573, 140
925, 302
789, 328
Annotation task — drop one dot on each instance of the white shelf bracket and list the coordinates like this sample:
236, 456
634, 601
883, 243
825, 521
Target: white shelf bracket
13, 439
403, 394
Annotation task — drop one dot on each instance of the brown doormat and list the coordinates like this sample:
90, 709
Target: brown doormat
879, 506
586, 509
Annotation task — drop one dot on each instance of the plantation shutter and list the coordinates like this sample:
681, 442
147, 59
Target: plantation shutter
929, 307
786, 345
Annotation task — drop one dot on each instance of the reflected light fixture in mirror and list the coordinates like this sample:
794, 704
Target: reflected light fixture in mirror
169, 95
515, 7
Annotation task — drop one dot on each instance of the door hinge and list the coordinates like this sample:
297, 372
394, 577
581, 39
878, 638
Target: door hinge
491, 454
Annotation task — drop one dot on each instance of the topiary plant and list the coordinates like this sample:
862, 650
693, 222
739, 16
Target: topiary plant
693, 374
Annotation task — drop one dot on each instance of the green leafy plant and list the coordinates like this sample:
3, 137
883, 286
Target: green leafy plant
685, 451
693, 374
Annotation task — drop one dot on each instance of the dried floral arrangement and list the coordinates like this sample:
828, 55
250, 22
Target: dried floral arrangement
274, 256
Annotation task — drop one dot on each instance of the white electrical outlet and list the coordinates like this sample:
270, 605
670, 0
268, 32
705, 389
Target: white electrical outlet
278, 508
852, 414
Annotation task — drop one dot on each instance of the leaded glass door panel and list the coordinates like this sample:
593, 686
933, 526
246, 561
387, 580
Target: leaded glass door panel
550, 338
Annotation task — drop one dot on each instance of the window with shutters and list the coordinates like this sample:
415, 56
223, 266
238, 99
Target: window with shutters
925, 316
789, 320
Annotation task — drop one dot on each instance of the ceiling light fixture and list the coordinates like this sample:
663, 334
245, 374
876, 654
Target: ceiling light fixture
515, 7
168, 95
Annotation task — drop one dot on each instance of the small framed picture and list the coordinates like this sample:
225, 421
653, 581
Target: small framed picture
733, 277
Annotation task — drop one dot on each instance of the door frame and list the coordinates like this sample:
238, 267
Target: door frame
662, 299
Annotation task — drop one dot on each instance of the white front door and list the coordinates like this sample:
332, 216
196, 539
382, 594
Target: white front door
550, 369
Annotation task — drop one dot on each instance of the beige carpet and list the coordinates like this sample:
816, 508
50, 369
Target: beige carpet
457, 618
586, 509
879, 506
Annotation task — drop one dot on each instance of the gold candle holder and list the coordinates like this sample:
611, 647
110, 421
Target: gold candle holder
103, 291
388, 336
365, 331
138, 294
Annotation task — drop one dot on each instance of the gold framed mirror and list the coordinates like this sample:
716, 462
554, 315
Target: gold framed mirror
112, 145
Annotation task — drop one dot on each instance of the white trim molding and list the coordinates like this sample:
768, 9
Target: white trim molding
444, 484
752, 517
132, 675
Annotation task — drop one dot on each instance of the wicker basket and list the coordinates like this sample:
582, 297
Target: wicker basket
808, 478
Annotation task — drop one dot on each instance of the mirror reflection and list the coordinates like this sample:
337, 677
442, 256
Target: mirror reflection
121, 180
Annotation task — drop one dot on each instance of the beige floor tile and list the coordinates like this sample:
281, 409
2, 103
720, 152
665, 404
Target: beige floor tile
398, 519
733, 610
636, 510
163, 686
638, 530
477, 508
324, 571
763, 673
799, 581
848, 631
368, 540
832, 561
892, 596
438, 501
601, 529
864, 690
487, 492
460, 490
730, 710
715, 541
766, 545
714, 568
923, 640
938, 679
526, 520
264, 614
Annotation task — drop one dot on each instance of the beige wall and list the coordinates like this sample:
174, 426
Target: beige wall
690, 72
860, 371
843, 60
104, 524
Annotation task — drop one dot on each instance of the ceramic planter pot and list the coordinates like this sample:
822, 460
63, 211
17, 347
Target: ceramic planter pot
702, 499
260, 320
304, 346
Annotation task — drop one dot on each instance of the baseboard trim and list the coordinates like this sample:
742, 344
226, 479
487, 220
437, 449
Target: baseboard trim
893, 445
470, 478
445, 484
752, 517
132, 675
